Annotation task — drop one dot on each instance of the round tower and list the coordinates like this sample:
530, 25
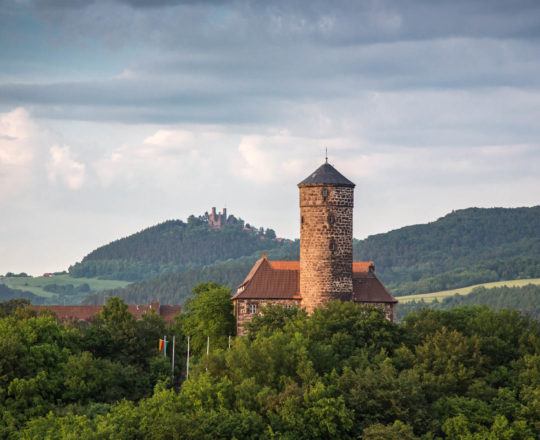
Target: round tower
326, 233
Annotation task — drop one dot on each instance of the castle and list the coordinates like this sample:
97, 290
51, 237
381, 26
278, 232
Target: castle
217, 220
326, 270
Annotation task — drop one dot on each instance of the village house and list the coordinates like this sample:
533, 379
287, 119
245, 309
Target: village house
85, 313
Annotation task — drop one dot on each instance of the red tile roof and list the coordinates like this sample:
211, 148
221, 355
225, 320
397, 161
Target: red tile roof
280, 280
367, 288
285, 265
269, 280
85, 313
363, 266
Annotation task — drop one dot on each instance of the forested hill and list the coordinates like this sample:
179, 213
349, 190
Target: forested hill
173, 246
468, 244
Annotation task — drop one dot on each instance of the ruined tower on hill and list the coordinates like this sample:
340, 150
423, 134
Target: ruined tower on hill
326, 237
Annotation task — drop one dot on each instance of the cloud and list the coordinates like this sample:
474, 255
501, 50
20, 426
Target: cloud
18, 136
62, 167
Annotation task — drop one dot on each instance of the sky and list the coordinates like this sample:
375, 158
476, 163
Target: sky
118, 115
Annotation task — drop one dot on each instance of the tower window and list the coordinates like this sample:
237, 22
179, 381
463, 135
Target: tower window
331, 219
332, 245
324, 193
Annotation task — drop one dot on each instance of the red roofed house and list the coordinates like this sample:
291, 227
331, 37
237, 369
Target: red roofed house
326, 270
85, 313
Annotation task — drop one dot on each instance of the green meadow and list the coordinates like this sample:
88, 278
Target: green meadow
36, 284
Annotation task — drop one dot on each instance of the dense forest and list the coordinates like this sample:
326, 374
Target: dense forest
7, 293
485, 272
525, 299
458, 241
173, 246
173, 288
344, 372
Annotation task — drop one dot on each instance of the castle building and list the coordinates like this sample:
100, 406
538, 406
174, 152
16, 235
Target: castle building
326, 270
217, 220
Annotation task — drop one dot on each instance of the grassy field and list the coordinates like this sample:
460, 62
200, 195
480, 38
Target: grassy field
36, 284
428, 297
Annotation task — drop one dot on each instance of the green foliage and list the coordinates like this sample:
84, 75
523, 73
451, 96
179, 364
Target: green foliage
173, 288
7, 294
524, 298
271, 318
208, 314
344, 372
397, 431
9, 307
466, 247
172, 246
49, 367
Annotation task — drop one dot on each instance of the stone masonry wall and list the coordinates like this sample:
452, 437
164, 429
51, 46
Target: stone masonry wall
242, 310
326, 253
389, 309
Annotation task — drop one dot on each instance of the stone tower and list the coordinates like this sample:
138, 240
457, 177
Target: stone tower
326, 233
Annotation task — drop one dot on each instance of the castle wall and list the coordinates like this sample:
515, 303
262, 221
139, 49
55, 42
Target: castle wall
242, 310
326, 254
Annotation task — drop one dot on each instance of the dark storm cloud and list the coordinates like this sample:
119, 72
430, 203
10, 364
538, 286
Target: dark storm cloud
249, 60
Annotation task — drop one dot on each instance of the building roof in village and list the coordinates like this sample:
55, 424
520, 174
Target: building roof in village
85, 313
326, 174
280, 280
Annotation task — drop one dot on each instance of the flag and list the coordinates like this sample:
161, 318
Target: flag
163, 346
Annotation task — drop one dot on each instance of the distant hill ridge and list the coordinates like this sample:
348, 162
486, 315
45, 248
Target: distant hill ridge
459, 244
174, 246
465, 247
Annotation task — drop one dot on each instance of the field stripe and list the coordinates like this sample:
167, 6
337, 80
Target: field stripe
429, 297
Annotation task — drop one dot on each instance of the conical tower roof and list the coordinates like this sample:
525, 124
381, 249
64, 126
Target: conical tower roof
326, 174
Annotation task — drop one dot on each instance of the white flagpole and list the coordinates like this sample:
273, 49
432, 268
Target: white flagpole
172, 359
207, 351
187, 360
164, 346
229, 341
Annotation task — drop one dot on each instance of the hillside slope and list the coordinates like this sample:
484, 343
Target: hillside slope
466, 246
523, 298
173, 246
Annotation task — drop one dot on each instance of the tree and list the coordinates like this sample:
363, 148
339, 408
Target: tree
397, 431
273, 317
208, 314
270, 234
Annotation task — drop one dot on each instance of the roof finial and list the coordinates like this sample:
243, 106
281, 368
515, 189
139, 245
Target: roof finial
326, 155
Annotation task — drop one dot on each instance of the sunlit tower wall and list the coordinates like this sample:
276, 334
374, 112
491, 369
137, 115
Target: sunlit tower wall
326, 237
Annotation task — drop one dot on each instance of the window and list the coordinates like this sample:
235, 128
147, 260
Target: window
332, 245
324, 194
252, 308
331, 219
